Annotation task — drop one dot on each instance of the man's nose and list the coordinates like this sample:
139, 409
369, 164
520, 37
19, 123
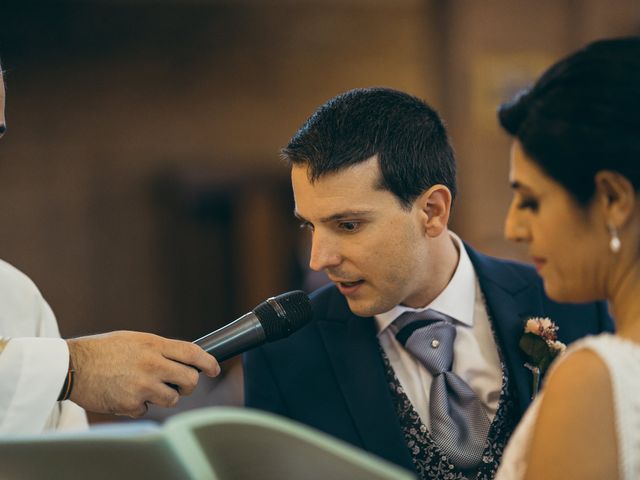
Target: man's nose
324, 253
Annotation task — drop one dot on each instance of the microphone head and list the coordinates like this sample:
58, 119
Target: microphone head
282, 315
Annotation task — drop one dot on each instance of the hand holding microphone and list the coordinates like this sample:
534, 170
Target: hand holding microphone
123, 372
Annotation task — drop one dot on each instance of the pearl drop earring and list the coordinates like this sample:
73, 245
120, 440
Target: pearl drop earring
614, 243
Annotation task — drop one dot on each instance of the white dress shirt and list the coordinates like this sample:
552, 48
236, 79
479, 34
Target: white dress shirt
476, 358
34, 363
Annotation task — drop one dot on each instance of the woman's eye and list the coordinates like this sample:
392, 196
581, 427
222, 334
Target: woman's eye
528, 204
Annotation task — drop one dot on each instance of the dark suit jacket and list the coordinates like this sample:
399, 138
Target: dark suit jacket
330, 374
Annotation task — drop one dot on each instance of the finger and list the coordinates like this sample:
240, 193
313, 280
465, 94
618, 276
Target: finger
144, 408
191, 354
183, 377
163, 396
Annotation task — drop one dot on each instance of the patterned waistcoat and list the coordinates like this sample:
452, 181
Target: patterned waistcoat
429, 461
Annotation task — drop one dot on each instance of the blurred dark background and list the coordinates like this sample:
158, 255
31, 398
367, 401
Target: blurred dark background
140, 184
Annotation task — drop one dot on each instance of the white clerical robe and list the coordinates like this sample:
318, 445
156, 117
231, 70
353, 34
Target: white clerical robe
34, 363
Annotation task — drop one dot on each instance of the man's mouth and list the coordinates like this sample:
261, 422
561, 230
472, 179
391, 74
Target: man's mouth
349, 288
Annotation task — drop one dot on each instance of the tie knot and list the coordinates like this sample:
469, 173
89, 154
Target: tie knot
429, 337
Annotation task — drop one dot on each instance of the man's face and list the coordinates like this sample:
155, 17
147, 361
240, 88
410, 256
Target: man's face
2, 121
370, 247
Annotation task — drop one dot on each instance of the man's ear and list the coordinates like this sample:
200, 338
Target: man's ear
434, 209
616, 198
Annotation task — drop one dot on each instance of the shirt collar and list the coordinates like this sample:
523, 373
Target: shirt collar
456, 300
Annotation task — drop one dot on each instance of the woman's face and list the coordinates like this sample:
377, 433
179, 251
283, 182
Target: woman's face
567, 243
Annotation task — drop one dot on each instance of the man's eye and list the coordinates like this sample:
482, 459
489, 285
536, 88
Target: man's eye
528, 204
349, 226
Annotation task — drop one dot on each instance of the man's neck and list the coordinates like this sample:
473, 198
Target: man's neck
444, 257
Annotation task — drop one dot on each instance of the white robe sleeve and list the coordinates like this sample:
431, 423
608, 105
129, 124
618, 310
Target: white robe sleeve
34, 363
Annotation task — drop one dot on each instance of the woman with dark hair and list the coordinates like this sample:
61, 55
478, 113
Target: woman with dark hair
575, 173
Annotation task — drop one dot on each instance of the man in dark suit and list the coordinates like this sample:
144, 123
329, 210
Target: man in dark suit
373, 176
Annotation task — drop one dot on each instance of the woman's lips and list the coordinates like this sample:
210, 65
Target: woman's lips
538, 262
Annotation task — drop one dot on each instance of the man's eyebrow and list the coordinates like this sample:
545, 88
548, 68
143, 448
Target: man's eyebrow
338, 216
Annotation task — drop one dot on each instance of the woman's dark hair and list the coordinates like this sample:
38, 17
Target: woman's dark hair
408, 136
583, 116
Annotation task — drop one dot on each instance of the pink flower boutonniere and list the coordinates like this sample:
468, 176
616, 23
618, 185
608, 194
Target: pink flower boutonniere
540, 344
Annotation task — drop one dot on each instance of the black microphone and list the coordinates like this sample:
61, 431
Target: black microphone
275, 318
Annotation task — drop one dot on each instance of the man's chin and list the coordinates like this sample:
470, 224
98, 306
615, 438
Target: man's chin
362, 309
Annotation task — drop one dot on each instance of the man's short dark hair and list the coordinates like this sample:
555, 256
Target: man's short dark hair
405, 133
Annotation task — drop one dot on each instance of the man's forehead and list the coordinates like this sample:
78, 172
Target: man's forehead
334, 187
339, 195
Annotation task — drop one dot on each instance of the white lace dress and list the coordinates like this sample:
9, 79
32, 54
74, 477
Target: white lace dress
622, 358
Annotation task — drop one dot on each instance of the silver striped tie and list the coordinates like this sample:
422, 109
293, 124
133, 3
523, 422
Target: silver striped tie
459, 422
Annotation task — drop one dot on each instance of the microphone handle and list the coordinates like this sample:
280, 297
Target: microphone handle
238, 336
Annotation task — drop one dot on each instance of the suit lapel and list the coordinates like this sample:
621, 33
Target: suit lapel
354, 353
510, 299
